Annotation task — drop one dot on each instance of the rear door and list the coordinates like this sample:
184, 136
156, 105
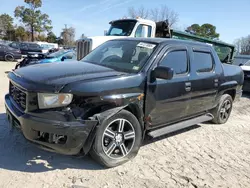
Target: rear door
167, 100
203, 80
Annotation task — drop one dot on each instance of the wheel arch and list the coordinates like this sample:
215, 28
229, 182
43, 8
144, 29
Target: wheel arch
231, 92
136, 108
228, 88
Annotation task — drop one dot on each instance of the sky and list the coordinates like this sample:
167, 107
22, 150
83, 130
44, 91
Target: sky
92, 17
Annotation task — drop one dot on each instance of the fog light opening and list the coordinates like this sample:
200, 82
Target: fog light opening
52, 138
59, 139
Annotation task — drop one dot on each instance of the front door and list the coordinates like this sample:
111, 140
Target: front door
167, 100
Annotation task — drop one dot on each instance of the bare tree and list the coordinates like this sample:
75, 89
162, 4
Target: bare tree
155, 14
140, 12
160, 13
164, 13
68, 36
243, 45
132, 12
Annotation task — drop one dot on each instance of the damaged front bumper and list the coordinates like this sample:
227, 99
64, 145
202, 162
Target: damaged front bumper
65, 137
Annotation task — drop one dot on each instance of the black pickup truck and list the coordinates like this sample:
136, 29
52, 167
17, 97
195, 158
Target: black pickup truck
122, 91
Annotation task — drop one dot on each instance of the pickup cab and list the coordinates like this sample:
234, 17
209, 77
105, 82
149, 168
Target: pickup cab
119, 93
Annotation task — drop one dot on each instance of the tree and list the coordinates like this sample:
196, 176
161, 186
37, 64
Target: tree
68, 36
206, 30
140, 12
33, 17
51, 37
164, 13
161, 13
243, 45
41, 37
6, 27
21, 34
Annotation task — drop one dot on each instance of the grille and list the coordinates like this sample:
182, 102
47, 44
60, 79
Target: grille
83, 48
18, 96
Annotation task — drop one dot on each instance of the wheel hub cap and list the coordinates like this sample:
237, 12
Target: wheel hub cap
119, 138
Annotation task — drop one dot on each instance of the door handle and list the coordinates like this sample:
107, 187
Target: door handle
188, 86
216, 81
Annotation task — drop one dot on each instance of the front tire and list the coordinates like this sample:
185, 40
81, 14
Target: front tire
222, 112
118, 139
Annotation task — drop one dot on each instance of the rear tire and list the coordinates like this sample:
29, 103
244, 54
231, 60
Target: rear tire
9, 57
118, 139
223, 111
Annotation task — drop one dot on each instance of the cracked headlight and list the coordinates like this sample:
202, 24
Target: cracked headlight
49, 100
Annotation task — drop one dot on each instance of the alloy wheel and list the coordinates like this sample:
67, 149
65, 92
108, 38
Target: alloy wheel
225, 110
118, 139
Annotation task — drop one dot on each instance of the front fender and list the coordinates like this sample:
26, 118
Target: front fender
132, 102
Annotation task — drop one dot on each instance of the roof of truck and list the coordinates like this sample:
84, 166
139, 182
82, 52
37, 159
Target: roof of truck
165, 40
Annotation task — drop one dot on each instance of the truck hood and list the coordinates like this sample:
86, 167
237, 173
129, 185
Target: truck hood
61, 73
245, 68
98, 40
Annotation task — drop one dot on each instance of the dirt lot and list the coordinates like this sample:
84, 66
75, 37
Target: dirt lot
202, 156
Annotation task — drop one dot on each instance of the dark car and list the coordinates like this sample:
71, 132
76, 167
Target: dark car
9, 54
125, 89
26, 47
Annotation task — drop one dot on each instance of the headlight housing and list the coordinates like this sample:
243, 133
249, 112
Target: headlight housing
49, 100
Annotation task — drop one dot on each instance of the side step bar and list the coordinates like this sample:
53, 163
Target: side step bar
180, 125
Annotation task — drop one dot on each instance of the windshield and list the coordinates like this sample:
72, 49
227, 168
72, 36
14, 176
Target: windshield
247, 63
121, 28
58, 53
125, 56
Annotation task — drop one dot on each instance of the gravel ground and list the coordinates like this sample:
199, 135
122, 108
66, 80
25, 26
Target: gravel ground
202, 156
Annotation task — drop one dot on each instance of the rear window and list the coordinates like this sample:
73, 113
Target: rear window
203, 61
34, 46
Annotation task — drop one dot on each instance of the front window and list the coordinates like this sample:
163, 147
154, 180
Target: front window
125, 56
121, 28
177, 60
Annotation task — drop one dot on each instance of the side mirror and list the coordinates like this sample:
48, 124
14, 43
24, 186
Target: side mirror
63, 58
164, 73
